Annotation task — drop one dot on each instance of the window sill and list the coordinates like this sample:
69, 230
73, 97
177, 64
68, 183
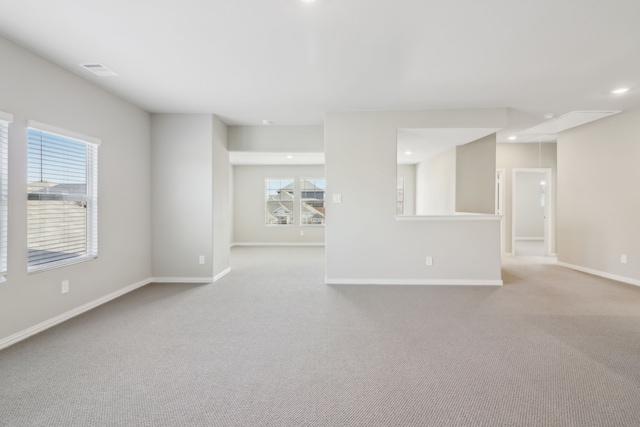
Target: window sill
58, 264
456, 217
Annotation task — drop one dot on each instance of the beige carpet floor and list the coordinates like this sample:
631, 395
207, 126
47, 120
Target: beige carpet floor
271, 345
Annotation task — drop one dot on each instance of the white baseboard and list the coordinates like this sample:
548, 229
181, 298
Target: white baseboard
429, 282
277, 244
182, 279
601, 273
222, 274
22, 335
530, 238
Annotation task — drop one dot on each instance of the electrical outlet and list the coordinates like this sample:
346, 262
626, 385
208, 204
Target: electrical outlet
65, 286
429, 261
302, 232
623, 259
201, 259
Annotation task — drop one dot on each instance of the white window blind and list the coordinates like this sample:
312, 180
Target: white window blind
5, 119
62, 202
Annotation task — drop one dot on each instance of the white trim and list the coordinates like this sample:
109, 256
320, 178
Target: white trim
500, 192
430, 282
275, 244
222, 274
530, 238
600, 273
32, 124
57, 264
460, 217
182, 279
6, 117
22, 335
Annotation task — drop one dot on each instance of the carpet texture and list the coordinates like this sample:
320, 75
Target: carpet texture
271, 345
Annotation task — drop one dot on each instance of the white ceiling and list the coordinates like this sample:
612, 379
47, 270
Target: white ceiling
289, 61
426, 143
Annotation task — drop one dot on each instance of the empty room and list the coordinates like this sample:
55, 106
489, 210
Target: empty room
319, 213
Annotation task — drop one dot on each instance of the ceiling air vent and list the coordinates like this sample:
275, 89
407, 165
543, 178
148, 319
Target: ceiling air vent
99, 70
568, 121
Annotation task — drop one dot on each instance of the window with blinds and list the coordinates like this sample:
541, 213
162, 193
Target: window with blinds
62, 201
5, 119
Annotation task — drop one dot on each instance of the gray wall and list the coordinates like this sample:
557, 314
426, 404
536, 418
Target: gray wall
249, 209
365, 242
182, 195
436, 184
293, 139
527, 206
476, 176
33, 88
525, 155
221, 199
598, 197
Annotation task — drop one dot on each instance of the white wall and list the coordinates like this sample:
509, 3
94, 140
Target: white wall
436, 184
476, 176
529, 212
525, 155
249, 206
182, 195
598, 197
364, 241
408, 173
221, 199
32, 88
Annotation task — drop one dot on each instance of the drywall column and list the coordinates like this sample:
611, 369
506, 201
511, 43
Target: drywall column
182, 196
598, 199
364, 241
221, 200
476, 176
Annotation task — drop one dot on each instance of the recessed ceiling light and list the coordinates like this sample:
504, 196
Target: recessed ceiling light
512, 138
289, 156
267, 122
307, 1
620, 90
408, 153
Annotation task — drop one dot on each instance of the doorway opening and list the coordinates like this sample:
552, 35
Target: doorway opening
532, 233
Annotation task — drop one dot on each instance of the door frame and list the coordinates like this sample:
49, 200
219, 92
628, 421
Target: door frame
549, 232
499, 205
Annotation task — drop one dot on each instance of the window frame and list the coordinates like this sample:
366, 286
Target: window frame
5, 120
266, 189
324, 200
91, 193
